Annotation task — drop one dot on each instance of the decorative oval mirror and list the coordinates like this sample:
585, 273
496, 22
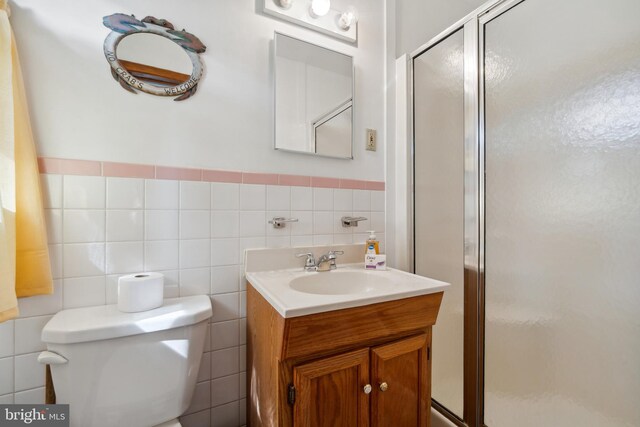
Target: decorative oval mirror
151, 56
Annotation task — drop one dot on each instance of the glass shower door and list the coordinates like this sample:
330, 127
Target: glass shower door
438, 78
562, 224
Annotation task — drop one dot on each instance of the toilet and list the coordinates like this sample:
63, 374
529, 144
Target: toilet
119, 369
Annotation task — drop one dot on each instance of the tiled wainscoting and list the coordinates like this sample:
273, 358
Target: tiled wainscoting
194, 232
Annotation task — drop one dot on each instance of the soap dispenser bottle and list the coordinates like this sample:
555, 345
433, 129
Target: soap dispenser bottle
372, 241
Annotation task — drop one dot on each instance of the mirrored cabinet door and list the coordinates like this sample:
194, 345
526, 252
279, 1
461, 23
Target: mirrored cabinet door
313, 99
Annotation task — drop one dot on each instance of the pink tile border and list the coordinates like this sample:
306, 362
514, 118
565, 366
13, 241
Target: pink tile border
70, 166
295, 180
353, 184
259, 178
47, 165
128, 170
221, 176
183, 174
50, 165
322, 182
375, 185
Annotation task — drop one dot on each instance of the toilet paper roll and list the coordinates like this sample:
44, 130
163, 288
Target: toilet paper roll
140, 292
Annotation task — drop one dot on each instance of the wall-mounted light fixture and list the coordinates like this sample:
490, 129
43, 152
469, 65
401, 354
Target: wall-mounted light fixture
316, 15
285, 4
348, 18
320, 7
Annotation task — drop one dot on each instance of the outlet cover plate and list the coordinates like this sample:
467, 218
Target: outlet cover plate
371, 140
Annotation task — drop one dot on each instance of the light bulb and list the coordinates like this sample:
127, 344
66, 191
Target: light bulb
320, 7
285, 4
348, 18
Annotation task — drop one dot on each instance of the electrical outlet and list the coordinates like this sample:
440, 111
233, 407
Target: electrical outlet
371, 140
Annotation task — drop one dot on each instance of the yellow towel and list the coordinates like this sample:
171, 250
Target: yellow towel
30, 267
33, 270
8, 301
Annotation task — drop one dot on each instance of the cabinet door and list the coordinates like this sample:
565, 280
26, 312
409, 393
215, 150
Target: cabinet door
401, 383
329, 392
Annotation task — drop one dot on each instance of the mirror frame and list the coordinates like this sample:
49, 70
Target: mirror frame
123, 25
353, 100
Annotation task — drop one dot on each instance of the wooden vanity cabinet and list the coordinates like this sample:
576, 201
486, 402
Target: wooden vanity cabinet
405, 367
329, 391
311, 371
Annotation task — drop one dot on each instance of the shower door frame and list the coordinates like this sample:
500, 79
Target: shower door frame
474, 190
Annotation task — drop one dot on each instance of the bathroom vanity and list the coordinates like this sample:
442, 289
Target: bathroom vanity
342, 348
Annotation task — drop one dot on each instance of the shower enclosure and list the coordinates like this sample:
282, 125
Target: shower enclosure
526, 198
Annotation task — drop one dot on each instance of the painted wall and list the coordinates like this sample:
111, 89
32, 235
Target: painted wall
80, 112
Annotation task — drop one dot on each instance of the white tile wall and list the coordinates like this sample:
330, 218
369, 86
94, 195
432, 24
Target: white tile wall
124, 257
35, 395
194, 233
7, 339
28, 331
83, 226
301, 198
323, 199
53, 218
161, 224
226, 415
195, 224
225, 224
278, 198
84, 291
83, 259
125, 193
195, 195
7, 375
125, 225
28, 373
51, 186
161, 194
83, 192
343, 200
252, 197
161, 255
225, 197
195, 281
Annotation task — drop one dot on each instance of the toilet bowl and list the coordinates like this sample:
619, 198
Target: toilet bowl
127, 369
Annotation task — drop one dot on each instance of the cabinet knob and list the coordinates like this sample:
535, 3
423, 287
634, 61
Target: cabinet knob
367, 389
384, 386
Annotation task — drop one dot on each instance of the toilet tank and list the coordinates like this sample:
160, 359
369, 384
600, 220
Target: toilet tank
126, 369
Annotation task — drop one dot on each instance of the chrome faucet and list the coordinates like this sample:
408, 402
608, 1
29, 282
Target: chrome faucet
326, 262
310, 263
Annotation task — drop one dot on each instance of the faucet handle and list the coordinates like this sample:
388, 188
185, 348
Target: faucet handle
331, 256
310, 262
307, 254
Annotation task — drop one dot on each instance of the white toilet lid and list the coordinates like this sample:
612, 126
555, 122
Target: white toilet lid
105, 322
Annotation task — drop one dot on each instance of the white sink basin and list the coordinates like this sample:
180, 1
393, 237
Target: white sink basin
295, 292
341, 282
